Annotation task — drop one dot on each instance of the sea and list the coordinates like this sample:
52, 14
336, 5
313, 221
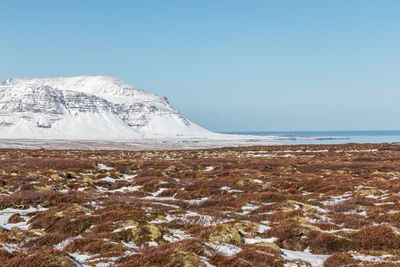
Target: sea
329, 137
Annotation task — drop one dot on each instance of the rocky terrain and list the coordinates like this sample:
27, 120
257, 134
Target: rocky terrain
89, 108
308, 205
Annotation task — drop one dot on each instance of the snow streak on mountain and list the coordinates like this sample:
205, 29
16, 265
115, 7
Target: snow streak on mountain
87, 107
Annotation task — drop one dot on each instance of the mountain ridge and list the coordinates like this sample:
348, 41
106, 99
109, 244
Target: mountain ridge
102, 106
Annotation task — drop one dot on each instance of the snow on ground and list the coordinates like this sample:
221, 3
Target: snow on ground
5, 214
262, 227
370, 258
259, 240
168, 217
226, 249
177, 235
122, 189
108, 179
81, 126
8, 248
337, 199
192, 217
128, 177
79, 258
155, 194
205, 261
248, 208
314, 259
196, 201
103, 167
230, 190
65, 243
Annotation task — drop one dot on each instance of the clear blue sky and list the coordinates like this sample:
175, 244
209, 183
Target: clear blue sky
226, 65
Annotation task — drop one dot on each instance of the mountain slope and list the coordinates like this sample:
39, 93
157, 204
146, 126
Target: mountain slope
87, 107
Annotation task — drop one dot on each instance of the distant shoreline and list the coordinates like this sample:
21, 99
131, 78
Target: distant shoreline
137, 145
329, 137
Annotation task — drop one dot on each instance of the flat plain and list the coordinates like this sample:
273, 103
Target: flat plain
303, 205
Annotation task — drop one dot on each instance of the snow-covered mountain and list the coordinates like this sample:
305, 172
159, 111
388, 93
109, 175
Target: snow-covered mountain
87, 107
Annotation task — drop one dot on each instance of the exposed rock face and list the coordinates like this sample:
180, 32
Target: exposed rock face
225, 233
87, 107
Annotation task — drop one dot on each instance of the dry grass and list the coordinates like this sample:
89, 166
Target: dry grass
164, 208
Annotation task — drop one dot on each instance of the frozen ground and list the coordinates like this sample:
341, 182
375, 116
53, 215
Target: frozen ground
139, 144
313, 205
163, 143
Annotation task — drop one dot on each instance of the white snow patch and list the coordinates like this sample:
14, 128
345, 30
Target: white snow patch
108, 179
225, 249
248, 208
130, 245
314, 259
65, 243
159, 191
8, 248
196, 201
125, 189
262, 228
152, 244
177, 235
103, 167
208, 169
80, 258
205, 261
128, 177
370, 258
5, 214
230, 190
259, 240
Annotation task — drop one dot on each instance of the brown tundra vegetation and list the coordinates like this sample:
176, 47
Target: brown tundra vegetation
304, 205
